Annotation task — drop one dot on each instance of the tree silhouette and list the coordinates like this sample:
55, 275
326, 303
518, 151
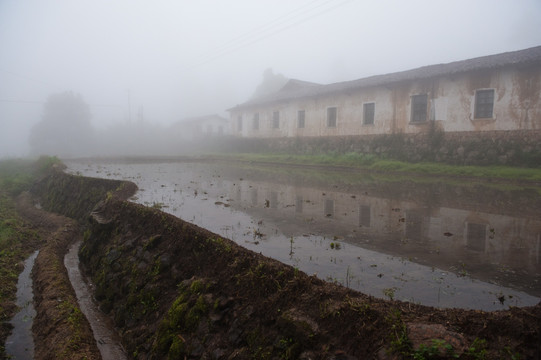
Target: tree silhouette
65, 129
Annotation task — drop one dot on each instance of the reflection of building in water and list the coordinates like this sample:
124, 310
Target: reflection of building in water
298, 204
476, 236
538, 249
414, 224
273, 203
402, 226
328, 210
254, 196
364, 215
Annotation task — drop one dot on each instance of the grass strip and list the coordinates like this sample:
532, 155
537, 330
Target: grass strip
372, 162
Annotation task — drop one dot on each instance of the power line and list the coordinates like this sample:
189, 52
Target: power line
262, 28
248, 38
22, 101
26, 78
43, 102
231, 48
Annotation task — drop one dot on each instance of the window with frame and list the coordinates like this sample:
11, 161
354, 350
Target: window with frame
276, 120
300, 119
369, 109
256, 121
331, 117
484, 104
419, 108
239, 122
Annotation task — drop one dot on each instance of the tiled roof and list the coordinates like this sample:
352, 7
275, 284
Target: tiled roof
521, 57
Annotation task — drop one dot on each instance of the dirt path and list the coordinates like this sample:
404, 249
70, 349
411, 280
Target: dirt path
60, 330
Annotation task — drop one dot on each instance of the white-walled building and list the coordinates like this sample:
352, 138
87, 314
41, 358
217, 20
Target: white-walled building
496, 92
202, 126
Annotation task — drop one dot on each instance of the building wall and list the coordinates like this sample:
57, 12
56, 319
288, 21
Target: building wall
451, 102
213, 127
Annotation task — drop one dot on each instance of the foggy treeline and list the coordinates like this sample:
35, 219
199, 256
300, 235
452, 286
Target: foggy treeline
66, 130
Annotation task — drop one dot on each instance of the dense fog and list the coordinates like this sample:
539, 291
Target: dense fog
141, 74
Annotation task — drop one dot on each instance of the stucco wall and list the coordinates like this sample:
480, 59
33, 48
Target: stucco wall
451, 101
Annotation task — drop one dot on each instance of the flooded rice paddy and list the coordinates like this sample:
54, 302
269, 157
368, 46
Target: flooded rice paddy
440, 244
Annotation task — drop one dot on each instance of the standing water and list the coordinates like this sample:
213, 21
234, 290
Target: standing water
434, 243
20, 344
107, 339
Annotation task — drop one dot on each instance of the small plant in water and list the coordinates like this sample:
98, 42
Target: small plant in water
389, 292
291, 246
157, 205
336, 245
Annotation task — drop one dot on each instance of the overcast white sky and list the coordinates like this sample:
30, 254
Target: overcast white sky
184, 58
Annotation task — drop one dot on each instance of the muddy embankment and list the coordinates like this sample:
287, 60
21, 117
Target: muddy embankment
60, 329
175, 290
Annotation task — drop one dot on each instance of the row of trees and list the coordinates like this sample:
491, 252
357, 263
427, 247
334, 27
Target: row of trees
66, 130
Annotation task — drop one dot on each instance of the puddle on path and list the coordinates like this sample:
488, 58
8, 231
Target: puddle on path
20, 344
107, 339
443, 246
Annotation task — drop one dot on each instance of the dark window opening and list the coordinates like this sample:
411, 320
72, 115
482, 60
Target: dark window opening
331, 117
300, 119
276, 120
239, 123
419, 108
256, 121
368, 113
484, 104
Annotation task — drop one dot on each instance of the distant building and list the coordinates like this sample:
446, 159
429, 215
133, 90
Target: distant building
497, 92
202, 126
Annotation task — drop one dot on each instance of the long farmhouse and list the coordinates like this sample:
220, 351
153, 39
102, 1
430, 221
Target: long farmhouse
485, 94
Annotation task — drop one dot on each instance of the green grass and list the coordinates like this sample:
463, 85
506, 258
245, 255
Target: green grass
373, 163
16, 238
